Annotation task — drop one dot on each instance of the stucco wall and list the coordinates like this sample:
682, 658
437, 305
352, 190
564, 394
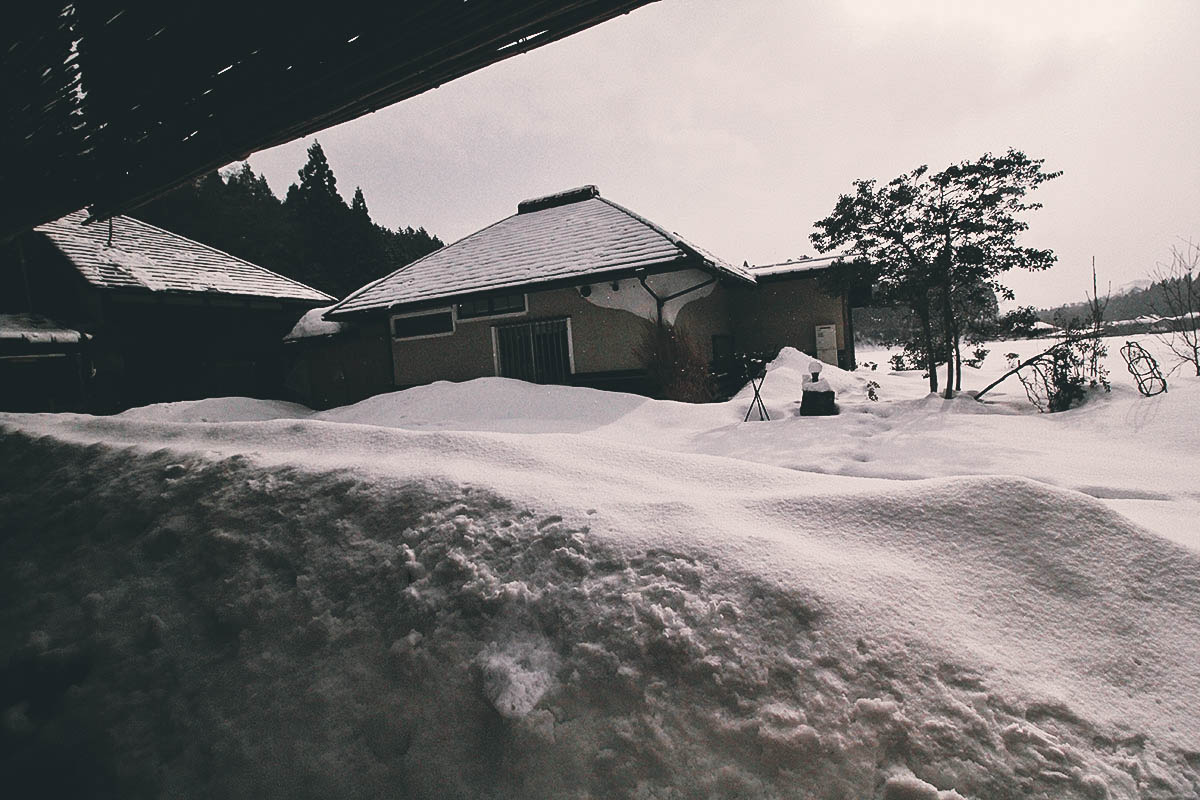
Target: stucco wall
604, 338
460, 356
785, 312
628, 294
707, 317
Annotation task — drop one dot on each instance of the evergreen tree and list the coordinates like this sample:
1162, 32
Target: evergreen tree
358, 206
312, 236
245, 183
318, 186
323, 223
931, 240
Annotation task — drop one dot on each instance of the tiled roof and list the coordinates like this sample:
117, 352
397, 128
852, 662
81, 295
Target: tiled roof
804, 264
570, 235
36, 329
145, 257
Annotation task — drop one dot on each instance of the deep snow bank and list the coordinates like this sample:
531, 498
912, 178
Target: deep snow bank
471, 615
218, 409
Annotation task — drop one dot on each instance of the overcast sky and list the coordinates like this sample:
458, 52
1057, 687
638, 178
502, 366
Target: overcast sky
738, 124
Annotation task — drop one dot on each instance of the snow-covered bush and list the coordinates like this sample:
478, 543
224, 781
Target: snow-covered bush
1060, 378
977, 357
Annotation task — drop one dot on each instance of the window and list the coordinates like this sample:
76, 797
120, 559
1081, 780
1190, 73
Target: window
493, 306
418, 326
539, 351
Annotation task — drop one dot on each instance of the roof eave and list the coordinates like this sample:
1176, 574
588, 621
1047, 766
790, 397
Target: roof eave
686, 262
164, 294
798, 274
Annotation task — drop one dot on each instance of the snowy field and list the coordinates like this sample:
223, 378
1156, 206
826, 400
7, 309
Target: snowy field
494, 589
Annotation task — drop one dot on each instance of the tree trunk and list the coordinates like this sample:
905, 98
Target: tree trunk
957, 363
948, 326
930, 362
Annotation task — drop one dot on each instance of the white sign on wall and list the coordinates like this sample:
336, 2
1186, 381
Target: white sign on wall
827, 344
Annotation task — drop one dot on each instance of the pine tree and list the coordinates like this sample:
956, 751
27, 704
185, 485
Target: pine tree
312, 236
358, 206
246, 183
932, 240
323, 224
318, 186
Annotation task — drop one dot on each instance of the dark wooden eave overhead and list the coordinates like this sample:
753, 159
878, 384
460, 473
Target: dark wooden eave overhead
108, 104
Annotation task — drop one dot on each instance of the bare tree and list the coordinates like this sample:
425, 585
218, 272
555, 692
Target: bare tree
1095, 350
1179, 295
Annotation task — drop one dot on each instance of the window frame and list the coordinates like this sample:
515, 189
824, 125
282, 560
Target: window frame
429, 312
531, 323
492, 314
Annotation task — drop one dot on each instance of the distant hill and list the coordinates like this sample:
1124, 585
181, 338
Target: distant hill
1137, 303
1142, 299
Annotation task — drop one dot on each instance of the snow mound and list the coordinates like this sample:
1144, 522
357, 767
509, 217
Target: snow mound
503, 404
791, 365
353, 611
218, 409
414, 597
499, 404
785, 381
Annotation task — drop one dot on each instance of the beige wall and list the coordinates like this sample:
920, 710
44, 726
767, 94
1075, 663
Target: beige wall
460, 356
603, 339
707, 317
785, 313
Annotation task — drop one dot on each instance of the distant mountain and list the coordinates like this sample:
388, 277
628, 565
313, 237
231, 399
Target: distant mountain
1134, 286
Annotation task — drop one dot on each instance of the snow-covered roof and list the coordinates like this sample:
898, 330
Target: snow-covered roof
566, 236
36, 329
802, 264
312, 325
142, 256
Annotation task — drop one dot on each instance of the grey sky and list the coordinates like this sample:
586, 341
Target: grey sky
738, 124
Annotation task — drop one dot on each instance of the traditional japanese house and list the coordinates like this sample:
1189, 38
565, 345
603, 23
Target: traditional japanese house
565, 291
165, 317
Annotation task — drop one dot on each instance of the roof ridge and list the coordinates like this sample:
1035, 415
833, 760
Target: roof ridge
716, 262
564, 198
802, 259
222, 252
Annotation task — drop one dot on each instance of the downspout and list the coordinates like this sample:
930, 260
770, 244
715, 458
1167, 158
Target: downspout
662, 301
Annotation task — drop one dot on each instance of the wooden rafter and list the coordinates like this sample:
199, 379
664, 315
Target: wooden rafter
109, 104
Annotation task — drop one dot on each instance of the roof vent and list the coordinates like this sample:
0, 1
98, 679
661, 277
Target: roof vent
561, 199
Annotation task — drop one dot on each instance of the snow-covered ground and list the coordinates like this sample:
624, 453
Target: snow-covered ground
494, 589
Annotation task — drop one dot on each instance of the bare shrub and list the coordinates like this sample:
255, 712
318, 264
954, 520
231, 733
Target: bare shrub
675, 364
1180, 299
